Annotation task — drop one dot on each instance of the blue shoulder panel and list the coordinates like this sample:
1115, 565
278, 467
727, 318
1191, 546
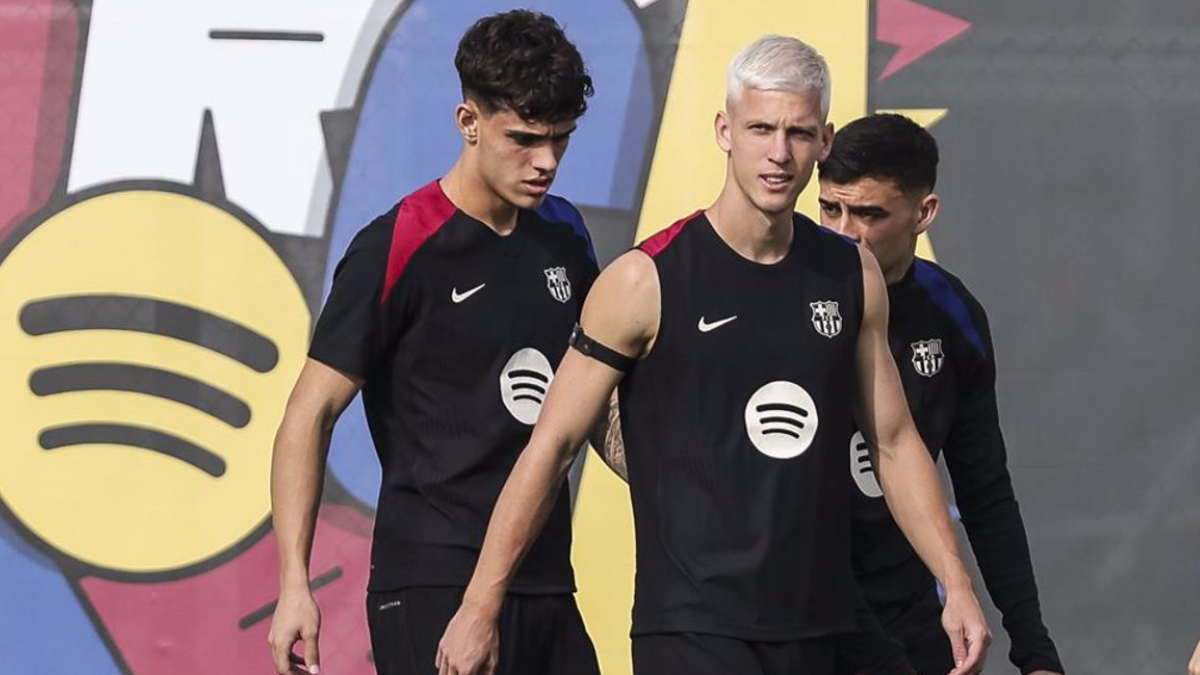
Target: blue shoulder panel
558, 210
935, 282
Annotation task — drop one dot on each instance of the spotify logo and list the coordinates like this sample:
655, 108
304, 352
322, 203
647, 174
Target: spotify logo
151, 339
152, 317
781, 419
524, 381
860, 467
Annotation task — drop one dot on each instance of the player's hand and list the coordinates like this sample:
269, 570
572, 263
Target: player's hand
471, 643
968, 631
1194, 664
297, 619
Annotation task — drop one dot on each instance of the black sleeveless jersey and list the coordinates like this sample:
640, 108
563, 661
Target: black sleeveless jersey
735, 427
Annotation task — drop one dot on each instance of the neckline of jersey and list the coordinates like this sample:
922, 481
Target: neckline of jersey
764, 268
477, 222
905, 284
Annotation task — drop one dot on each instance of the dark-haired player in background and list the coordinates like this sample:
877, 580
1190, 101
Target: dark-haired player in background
450, 313
877, 188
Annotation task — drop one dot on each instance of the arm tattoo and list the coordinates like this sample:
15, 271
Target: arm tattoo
606, 438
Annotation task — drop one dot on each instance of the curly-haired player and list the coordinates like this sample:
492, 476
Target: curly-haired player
450, 313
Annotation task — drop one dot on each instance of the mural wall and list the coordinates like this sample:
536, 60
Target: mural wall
177, 178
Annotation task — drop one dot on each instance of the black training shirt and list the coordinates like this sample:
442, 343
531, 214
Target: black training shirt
456, 332
939, 337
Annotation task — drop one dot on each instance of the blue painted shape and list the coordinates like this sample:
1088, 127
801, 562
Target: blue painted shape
944, 295
604, 164
558, 210
43, 627
406, 137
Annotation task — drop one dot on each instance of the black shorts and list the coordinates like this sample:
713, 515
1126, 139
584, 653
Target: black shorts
539, 634
698, 654
917, 627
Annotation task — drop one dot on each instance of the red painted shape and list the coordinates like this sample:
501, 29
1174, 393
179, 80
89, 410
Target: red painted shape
655, 243
421, 214
915, 29
192, 625
38, 44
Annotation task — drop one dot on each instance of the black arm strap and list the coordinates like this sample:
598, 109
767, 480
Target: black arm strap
589, 347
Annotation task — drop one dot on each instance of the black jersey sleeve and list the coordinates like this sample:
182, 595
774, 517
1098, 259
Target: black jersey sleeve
354, 330
977, 461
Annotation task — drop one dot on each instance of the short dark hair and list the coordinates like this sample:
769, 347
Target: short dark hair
523, 62
886, 147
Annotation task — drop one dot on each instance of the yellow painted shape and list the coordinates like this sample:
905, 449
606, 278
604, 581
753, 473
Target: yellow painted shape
686, 174
926, 117
125, 508
925, 247
603, 558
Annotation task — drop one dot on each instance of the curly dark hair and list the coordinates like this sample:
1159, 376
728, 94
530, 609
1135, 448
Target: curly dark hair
522, 61
886, 147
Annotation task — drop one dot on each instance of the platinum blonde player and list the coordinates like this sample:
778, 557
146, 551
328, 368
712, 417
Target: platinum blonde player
747, 343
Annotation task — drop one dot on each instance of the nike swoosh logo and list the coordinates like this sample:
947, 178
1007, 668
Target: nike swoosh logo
706, 327
457, 297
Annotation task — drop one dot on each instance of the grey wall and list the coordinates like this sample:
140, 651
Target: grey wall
1069, 175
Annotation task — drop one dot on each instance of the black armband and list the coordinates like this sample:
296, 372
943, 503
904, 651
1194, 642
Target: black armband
585, 345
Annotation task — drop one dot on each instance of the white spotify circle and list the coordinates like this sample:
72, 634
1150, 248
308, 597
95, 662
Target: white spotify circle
524, 381
781, 419
861, 469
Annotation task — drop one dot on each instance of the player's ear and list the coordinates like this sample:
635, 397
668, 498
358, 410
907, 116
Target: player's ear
827, 133
928, 211
467, 117
722, 130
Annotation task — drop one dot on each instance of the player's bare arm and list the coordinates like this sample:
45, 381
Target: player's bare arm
607, 440
297, 477
621, 313
908, 477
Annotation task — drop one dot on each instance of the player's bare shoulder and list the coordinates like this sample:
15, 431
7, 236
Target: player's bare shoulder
632, 272
623, 308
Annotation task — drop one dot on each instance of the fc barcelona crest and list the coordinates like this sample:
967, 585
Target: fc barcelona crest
558, 283
927, 357
826, 318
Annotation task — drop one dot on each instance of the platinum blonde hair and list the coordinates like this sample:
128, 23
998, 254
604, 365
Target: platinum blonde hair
779, 63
